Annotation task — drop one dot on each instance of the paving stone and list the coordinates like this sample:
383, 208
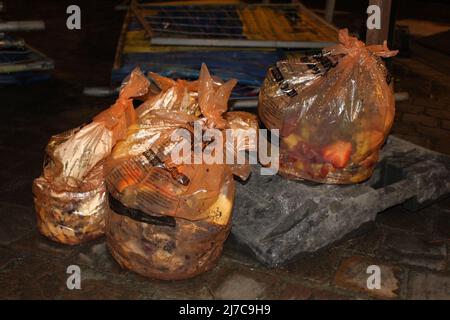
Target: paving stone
330, 295
400, 218
428, 286
434, 133
53, 281
36, 244
195, 288
101, 290
319, 267
440, 145
400, 128
365, 244
438, 113
407, 107
444, 203
15, 287
295, 292
445, 124
352, 275
419, 140
441, 227
299, 291
417, 85
96, 286
15, 223
232, 280
7, 255
95, 255
237, 286
21, 278
35, 278
414, 250
409, 244
420, 119
15, 190
429, 263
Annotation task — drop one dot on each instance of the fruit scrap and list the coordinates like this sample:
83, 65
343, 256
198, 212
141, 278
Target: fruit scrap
292, 140
367, 142
325, 169
337, 153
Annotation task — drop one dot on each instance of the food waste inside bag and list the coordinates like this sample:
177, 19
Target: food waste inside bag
334, 111
70, 196
169, 218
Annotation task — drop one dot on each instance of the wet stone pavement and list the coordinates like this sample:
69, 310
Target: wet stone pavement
410, 248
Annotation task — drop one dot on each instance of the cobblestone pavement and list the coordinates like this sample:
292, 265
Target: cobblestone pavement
423, 119
411, 248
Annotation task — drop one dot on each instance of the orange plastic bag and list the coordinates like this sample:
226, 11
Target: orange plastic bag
167, 220
334, 111
70, 196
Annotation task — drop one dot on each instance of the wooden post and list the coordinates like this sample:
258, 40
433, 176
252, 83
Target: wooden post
329, 10
121, 42
377, 36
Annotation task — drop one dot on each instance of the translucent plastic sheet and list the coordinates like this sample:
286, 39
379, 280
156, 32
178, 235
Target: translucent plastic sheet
71, 217
334, 111
169, 220
70, 196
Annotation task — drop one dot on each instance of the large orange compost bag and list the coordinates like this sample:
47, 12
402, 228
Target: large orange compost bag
334, 111
169, 220
70, 195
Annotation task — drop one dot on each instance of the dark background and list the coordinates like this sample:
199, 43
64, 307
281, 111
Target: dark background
33, 267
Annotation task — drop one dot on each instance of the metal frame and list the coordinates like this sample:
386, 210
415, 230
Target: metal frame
217, 42
239, 43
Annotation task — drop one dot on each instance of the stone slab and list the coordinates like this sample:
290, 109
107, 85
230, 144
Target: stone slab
278, 219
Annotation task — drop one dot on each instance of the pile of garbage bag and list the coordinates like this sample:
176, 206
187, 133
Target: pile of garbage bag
162, 219
134, 173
